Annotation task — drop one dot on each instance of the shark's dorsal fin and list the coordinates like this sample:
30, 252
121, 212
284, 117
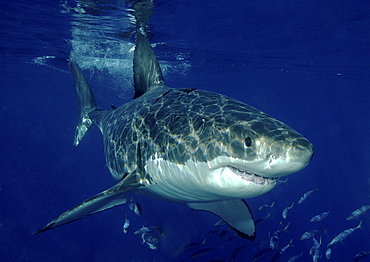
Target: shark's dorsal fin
116, 195
236, 213
147, 73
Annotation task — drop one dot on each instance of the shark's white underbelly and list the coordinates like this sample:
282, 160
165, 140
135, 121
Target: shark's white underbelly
197, 182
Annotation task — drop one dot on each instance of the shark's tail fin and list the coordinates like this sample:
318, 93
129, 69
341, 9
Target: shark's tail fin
86, 101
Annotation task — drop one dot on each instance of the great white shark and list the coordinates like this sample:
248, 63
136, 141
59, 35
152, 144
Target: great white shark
186, 145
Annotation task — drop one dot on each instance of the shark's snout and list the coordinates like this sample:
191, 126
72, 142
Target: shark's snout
306, 151
287, 157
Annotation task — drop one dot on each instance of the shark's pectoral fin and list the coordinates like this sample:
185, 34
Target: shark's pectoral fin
235, 213
116, 195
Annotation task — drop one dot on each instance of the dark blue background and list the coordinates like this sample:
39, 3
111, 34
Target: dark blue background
303, 62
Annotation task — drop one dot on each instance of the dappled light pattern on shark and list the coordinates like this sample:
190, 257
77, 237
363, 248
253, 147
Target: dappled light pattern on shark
185, 145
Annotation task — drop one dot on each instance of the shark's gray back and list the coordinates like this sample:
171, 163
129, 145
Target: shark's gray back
174, 124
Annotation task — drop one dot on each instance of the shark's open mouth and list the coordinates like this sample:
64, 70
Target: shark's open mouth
251, 177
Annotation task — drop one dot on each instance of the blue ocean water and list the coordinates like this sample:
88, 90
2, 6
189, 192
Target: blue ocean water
305, 63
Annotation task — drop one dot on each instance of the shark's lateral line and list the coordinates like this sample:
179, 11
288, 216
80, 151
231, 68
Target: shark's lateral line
186, 145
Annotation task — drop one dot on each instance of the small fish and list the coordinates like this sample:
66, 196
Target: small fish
150, 238
295, 258
320, 216
261, 254
145, 230
343, 235
315, 250
220, 223
286, 247
228, 238
152, 246
263, 241
329, 248
200, 253
261, 219
305, 195
285, 211
275, 237
160, 231
360, 256
192, 246
265, 207
223, 233
136, 208
214, 232
280, 181
126, 225
358, 212
237, 251
309, 234
277, 256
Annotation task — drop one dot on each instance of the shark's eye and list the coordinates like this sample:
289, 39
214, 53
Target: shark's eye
248, 141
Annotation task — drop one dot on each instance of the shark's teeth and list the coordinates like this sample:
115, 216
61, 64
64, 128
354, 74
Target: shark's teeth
252, 177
